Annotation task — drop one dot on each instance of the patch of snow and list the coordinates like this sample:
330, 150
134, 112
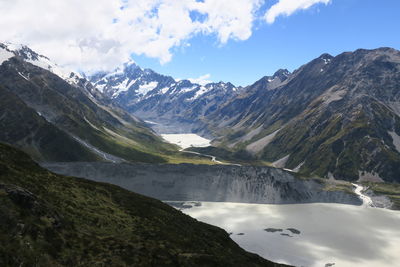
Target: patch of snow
187, 89
186, 140
100, 87
130, 84
396, 140
151, 122
199, 92
45, 63
147, 87
23, 76
164, 90
13, 47
321, 70
326, 60
346, 235
121, 87
5, 55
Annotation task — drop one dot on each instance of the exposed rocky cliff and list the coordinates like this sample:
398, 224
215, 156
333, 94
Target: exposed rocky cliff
248, 184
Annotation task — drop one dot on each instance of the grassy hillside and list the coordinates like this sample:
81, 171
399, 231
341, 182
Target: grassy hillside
52, 220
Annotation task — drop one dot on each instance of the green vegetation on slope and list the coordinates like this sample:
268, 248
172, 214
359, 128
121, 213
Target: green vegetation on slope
52, 220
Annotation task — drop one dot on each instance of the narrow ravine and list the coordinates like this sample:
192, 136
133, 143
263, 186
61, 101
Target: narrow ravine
104, 155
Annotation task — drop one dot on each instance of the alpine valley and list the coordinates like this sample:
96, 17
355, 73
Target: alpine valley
334, 117
325, 137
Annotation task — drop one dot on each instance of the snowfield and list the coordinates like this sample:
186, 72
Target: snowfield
186, 140
318, 234
5, 55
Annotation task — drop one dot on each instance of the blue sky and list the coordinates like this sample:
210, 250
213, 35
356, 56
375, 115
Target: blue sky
342, 25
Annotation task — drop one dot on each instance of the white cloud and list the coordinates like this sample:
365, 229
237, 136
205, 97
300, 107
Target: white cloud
288, 7
100, 34
202, 80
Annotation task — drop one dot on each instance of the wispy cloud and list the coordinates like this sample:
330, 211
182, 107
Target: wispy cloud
288, 7
202, 80
101, 34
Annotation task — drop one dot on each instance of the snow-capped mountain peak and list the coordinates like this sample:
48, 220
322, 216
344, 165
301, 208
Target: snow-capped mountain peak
28, 55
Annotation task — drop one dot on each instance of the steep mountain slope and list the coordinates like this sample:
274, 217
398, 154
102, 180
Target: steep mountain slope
333, 117
181, 105
24, 127
71, 104
53, 220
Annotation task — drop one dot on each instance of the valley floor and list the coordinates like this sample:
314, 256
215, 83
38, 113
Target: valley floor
186, 140
307, 234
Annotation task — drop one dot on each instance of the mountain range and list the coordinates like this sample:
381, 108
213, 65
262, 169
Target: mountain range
174, 106
334, 117
52, 220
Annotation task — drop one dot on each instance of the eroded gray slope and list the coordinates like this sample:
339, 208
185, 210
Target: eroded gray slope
249, 184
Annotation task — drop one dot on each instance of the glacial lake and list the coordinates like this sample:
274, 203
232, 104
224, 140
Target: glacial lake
307, 234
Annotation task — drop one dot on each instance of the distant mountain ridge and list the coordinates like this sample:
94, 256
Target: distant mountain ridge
332, 117
161, 99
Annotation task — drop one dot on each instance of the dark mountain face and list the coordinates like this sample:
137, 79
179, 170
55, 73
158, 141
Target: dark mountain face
176, 106
333, 117
25, 128
52, 100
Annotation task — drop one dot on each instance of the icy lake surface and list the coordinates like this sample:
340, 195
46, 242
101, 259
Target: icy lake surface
186, 140
307, 234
